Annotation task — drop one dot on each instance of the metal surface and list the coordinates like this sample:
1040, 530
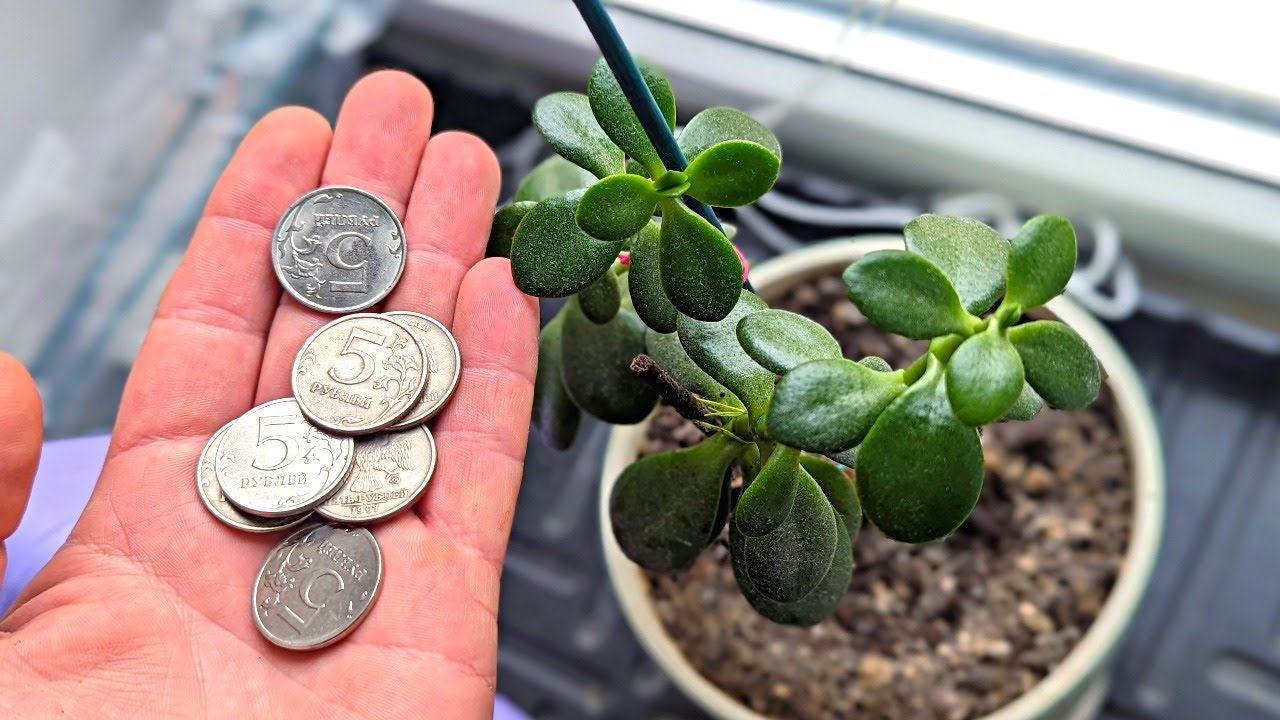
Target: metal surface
273, 463
338, 249
444, 364
316, 586
391, 472
359, 374
211, 495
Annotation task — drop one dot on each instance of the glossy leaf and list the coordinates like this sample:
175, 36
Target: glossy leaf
613, 112
666, 350
1027, 406
829, 405
555, 417
718, 124
600, 300
814, 607
767, 501
876, 363
1058, 363
505, 222
597, 366
644, 280
780, 340
565, 121
920, 468
905, 294
617, 207
971, 254
838, 487
732, 173
714, 347
664, 506
551, 256
701, 272
984, 377
552, 177
788, 563
1041, 259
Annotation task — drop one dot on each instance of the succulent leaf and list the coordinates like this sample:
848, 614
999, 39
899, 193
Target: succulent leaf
555, 417
732, 173
767, 501
613, 112
814, 607
920, 468
838, 488
505, 222
876, 363
600, 300
788, 563
717, 124
664, 506
701, 272
1027, 406
829, 405
780, 340
644, 280
565, 121
905, 294
1041, 259
551, 256
714, 347
1058, 363
596, 366
550, 178
984, 377
617, 207
971, 254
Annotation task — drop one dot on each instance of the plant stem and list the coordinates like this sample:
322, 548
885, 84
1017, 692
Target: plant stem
640, 98
675, 394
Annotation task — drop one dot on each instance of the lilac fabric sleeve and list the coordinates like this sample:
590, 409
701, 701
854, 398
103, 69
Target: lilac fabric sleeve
68, 471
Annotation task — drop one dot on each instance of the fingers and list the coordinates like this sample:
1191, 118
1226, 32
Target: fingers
21, 427
377, 145
481, 434
199, 363
447, 226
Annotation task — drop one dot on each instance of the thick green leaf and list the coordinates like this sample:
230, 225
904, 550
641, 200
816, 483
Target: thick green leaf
1041, 260
644, 280
600, 300
814, 607
551, 256
768, 499
714, 347
732, 173
617, 207
788, 563
565, 121
876, 363
552, 177
971, 254
1058, 362
838, 487
905, 294
505, 222
829, 405
717, 124
984, 377
555, 417
664, 506
920, 468
1027, 406
666, 350
701, 272
847, 458
780, 340
613, 112
597, 366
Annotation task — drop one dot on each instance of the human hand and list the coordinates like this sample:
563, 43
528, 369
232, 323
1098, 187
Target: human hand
145, 611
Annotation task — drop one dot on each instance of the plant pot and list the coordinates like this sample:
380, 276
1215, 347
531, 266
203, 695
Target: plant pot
1076, 686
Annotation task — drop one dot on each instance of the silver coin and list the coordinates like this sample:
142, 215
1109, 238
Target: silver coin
316, 586
338, 249
210, 492
273, 463
359, 374
444, 363
391, 472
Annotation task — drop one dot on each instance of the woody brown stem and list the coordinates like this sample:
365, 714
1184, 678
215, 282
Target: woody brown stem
675, 394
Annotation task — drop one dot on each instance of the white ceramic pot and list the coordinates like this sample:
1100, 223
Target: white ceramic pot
1075, 689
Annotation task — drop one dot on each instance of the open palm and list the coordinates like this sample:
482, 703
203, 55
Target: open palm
146, 609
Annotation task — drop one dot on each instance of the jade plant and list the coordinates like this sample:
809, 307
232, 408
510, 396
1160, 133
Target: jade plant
656, 309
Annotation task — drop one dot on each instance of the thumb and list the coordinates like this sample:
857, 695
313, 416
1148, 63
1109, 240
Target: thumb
21, 429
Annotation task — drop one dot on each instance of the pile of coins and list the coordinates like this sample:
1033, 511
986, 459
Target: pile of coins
350, 446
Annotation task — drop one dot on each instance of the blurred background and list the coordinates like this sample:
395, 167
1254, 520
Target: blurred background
1156, 127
